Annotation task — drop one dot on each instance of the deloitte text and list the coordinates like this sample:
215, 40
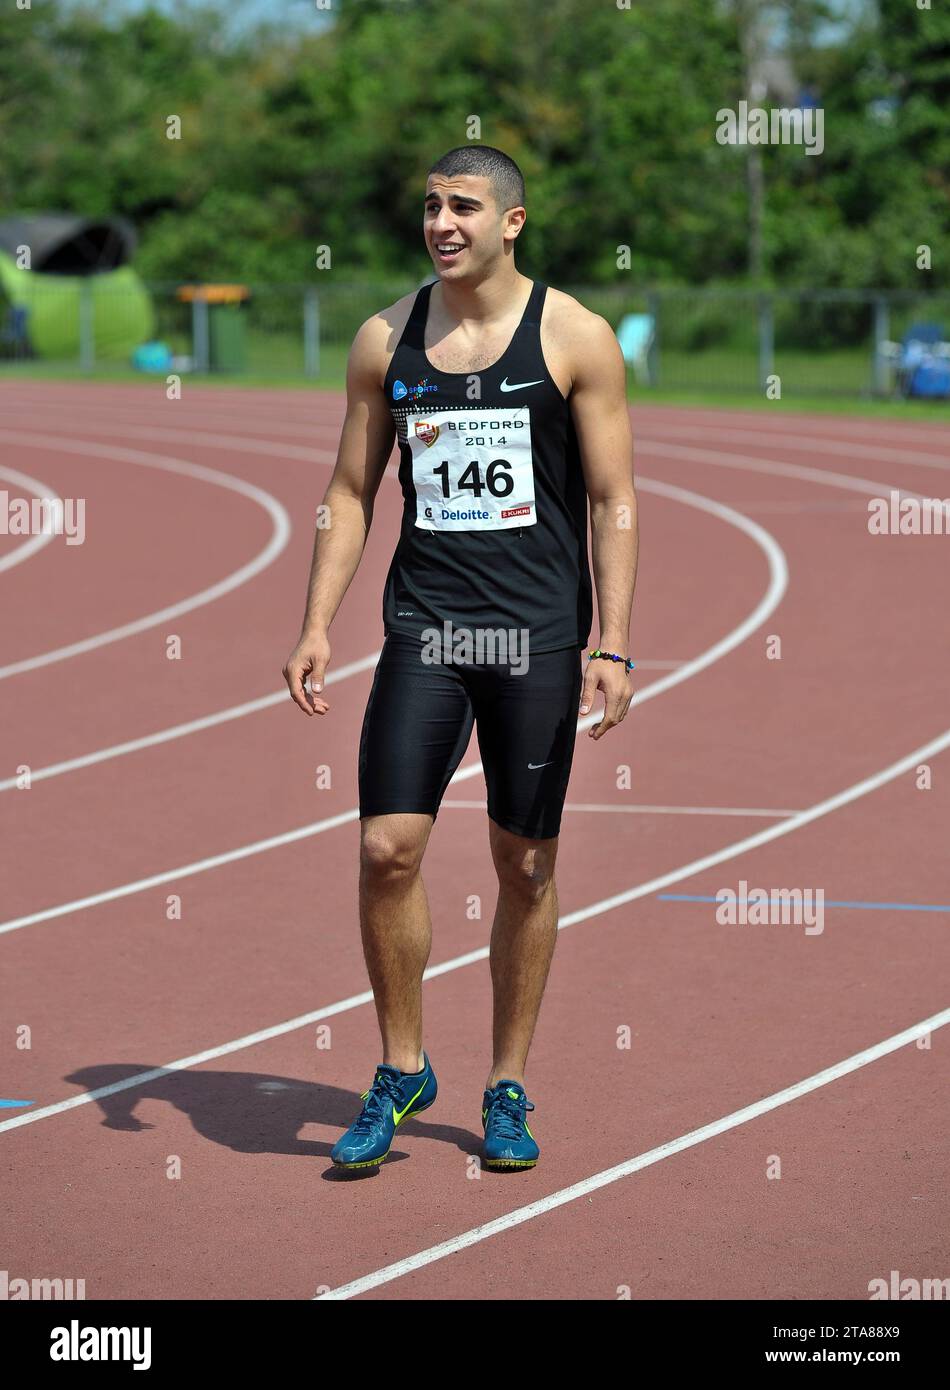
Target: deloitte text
483, 646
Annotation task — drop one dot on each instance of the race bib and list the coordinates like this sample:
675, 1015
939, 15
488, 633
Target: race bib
472, 469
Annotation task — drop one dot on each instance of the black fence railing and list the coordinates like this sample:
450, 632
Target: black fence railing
731, 340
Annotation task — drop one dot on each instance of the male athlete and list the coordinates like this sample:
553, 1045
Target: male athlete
508, 403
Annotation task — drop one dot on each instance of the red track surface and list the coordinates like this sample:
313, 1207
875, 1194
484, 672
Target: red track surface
720, 1017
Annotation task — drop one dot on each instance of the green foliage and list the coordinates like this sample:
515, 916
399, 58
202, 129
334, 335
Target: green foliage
292, 141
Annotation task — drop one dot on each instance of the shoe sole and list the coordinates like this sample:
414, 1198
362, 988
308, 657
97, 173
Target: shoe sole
509, 1162
363, 1162
375, 1162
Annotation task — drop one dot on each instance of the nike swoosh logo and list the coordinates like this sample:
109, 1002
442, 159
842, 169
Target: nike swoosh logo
536, 765
519, 385
398, 1114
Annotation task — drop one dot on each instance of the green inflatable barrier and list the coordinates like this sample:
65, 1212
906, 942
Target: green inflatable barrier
122, 312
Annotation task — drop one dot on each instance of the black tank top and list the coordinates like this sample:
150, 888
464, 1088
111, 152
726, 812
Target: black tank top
494, 526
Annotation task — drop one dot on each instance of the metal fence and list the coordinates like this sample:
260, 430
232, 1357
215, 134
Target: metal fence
728, 341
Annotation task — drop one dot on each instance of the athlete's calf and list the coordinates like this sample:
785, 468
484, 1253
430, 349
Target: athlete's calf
396, 929
522, 943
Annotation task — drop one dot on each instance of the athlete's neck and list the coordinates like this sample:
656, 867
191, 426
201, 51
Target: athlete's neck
484, 303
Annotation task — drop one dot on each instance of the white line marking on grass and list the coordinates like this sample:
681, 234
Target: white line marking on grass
633, 1165
278, 540
34, 543
778, 580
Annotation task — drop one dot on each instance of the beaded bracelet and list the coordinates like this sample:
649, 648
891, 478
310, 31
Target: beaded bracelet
611, 656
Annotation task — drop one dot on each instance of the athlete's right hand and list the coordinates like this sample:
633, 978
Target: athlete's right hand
310, 657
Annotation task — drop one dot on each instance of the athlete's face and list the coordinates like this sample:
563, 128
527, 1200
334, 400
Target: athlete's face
465, 230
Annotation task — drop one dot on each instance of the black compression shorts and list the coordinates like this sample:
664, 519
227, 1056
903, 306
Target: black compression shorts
419, 720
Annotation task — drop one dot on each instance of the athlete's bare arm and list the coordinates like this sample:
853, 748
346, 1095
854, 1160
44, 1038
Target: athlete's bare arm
598, 402
346, 514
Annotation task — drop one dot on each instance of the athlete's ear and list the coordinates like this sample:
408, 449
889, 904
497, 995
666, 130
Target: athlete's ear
514, 221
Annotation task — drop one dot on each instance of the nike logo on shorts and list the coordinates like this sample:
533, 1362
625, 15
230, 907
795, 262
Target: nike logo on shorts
536, 765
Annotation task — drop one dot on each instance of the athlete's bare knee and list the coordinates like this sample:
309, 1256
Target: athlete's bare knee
524, 867
389, 851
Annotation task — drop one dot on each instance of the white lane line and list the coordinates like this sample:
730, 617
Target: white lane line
774, 593
199, 866
751, 465
86, 418
633, 1165
761, 465
278, 541
34, 543
772, 832
771, 466
778, 582
224, 716
647, 810
193, 726
822, 808
752, 506
444, 968
811, 444
837, 427
234, 443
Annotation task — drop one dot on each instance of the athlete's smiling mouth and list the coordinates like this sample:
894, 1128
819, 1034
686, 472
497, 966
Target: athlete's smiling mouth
448, 250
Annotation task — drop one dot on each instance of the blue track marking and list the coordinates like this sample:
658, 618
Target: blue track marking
10, 1103
881, 907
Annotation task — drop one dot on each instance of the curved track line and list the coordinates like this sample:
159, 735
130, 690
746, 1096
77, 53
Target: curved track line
778, 582
770, 600
644, 1160
767, 466
119, 750
821, 808
842, 427
848, 481
35, 543
193, 726
85, 415
808, 443
224, 716
278, 541
234, 443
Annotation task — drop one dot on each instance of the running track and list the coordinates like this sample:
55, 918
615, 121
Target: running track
201, 1040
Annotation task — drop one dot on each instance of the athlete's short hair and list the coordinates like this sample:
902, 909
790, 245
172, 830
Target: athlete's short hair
507, 181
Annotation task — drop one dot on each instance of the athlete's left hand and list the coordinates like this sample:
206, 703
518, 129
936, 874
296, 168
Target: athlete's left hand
613, 679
